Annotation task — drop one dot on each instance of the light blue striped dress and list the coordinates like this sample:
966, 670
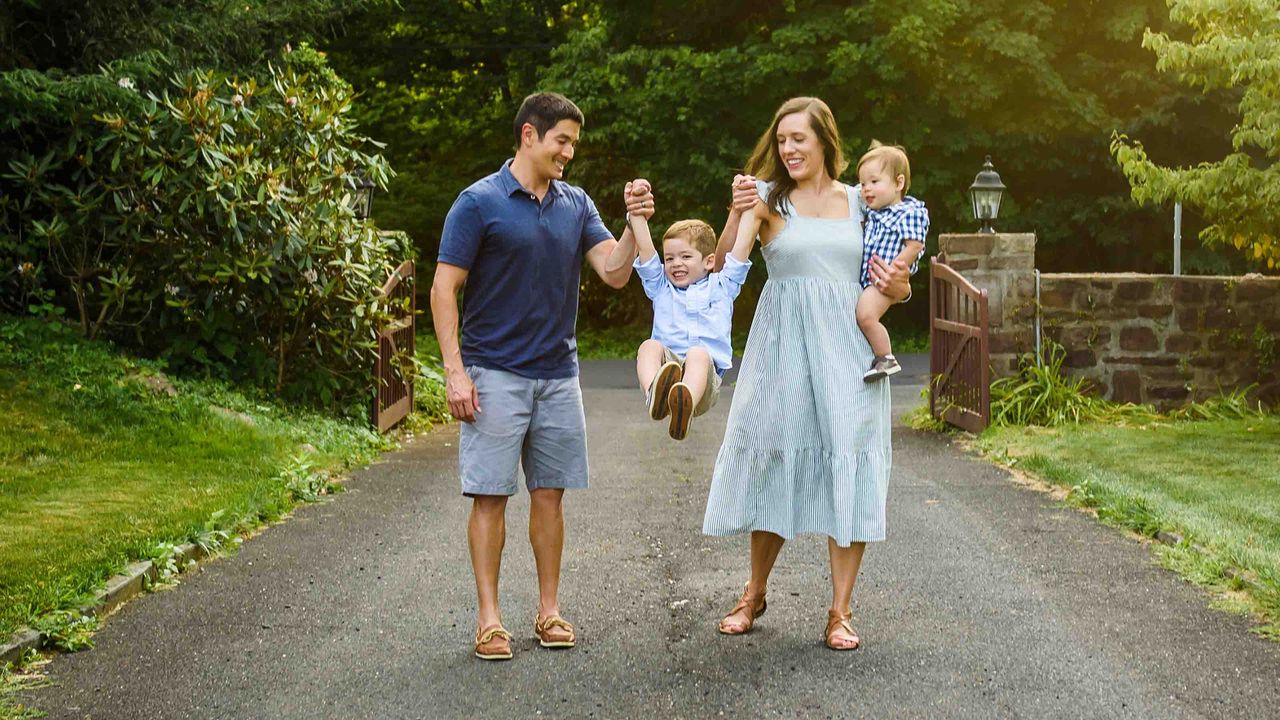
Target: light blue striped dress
807, 446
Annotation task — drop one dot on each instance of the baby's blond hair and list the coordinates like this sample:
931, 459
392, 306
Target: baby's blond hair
892, 158
698, 234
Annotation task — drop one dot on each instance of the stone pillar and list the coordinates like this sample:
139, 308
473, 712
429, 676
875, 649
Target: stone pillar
1003, 264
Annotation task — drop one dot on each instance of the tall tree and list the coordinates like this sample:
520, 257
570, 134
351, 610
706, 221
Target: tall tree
441, 81
1038, 85
1235, 44
77, 37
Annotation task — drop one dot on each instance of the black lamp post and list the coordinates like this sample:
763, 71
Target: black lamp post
363, 203
986, 192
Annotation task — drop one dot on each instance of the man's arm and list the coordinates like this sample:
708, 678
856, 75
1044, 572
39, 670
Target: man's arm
611, 259
460, 392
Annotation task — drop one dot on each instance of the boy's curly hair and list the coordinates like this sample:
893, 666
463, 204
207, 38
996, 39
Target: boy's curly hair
892, 158
697, 233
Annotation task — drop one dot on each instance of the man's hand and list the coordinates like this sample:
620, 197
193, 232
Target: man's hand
462, 396
639, 198
745, 196
893, 279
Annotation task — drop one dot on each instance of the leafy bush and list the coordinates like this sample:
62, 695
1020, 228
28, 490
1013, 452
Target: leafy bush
208, 221
1229, 405
1040, 394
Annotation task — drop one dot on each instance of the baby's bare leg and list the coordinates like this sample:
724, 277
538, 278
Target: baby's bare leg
872, 306
648, 360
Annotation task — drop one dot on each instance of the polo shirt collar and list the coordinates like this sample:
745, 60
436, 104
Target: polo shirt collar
511, 185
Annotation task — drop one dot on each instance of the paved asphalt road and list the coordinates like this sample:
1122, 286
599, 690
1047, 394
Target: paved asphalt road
987, 601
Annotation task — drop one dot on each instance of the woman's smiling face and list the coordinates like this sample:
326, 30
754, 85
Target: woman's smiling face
799, 148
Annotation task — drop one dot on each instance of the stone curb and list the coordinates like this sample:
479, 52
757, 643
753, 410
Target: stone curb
119, 590
1171, 538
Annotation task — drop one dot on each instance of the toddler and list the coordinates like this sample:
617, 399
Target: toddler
680, 366
896, 227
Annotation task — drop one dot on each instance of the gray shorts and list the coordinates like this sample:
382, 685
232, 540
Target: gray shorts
523, 422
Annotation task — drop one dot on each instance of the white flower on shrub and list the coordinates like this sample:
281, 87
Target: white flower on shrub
126, 83
171, 288
237, 100
291, 101
311, 275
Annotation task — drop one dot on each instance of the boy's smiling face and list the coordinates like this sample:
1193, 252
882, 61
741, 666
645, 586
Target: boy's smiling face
879, 188
683, 263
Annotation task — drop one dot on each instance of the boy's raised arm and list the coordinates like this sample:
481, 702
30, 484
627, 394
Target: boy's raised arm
744, 198
748, 228
640, 229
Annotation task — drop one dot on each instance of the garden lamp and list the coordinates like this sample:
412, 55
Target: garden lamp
364, 195
986, 192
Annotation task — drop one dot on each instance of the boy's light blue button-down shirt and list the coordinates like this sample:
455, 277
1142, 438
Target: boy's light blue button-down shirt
701, 314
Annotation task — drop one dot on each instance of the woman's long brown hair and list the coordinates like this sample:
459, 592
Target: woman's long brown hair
766, 164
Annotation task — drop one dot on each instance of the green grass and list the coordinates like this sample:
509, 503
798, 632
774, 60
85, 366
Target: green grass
96, 468
1215, 482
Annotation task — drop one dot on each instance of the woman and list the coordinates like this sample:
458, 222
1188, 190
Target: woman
807, 445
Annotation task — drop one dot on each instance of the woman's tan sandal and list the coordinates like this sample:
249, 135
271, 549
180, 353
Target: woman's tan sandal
749, 603
837, 622
493, 643
543, 627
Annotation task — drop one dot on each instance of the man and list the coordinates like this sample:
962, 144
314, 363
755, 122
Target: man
517, 239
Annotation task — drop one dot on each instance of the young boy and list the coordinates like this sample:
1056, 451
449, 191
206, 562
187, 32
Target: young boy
680, 366
896, 228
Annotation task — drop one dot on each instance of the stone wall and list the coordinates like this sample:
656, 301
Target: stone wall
1158, 339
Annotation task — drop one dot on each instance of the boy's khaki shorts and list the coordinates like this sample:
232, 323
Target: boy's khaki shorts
712, 393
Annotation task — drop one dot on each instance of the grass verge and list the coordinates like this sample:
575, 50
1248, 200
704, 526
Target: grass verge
100, 465
1215, 483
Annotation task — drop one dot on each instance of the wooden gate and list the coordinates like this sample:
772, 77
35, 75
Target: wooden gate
959, 364
396, 344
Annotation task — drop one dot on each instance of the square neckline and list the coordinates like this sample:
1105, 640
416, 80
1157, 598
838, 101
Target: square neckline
848, 195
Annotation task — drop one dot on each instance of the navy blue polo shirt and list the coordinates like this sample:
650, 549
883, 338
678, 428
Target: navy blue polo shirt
524, 258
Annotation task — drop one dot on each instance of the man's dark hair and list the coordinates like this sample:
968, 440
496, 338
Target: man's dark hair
543, 111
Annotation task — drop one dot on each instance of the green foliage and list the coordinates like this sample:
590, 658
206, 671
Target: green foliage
78, 37
1040, 86
164, 557
442, 81
208, 219
1234, 45
68, 630
678, 92
1230, 405
303, 481
1040, 394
